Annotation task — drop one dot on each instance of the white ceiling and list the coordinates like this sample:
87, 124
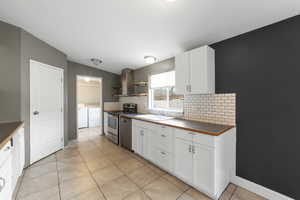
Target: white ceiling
122, 32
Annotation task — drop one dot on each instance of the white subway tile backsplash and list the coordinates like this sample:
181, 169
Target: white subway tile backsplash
214, 108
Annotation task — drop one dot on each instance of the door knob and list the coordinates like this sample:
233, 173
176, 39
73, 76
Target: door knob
36, 113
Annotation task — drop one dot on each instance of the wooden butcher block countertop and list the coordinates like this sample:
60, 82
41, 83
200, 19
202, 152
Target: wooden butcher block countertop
189, 125
7, 131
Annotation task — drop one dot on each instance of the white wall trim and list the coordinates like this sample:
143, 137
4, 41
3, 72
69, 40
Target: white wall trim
258, 189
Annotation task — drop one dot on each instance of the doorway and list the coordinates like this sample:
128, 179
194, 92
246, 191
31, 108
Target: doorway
89, 107
46, 110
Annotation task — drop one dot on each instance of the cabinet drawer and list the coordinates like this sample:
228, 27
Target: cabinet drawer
164, 138
182, 134
203, 139
164, 159
5, 152
141, 124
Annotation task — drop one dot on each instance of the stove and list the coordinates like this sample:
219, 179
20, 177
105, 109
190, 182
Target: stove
113, 121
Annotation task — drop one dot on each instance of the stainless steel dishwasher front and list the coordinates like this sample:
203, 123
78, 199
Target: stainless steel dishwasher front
125, 132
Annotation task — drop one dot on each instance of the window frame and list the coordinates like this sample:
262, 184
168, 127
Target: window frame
150, 97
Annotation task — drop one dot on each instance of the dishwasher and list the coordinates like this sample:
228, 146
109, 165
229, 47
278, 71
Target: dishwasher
125, 132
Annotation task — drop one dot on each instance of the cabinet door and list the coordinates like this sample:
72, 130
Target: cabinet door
16, 158
182, 73
198, 71
141, 141
134, 138
6, 179
202, 70
183, 159
22, 150
204, 168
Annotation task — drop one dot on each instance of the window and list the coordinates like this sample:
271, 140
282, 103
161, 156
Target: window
162, 95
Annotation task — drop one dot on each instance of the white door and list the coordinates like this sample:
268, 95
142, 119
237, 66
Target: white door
183, 160
46, 110
182, 73
204, 168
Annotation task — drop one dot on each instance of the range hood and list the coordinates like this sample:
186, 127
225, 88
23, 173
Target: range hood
127, 81
129, 87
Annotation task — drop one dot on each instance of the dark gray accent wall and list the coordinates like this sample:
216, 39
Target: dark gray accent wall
263, 68
143, 73
108, 81
35, 49
10, 96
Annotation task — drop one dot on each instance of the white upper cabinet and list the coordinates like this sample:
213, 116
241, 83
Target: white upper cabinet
195, 71
182, 73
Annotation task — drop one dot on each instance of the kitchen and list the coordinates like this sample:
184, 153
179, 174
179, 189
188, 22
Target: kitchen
192, 113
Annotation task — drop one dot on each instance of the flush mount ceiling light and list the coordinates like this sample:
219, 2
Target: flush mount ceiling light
96, 61
87, 79
150, 59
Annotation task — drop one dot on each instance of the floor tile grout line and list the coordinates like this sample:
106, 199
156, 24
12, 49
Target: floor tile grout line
58, 179
91, 174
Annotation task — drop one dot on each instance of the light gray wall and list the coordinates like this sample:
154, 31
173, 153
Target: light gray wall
35, 49
108, 81
10, 103
142, 74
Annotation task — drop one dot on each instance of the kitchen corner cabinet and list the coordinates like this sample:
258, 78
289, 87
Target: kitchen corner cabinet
203, 161
195, 71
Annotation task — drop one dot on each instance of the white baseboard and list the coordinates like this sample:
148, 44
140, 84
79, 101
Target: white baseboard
258, 189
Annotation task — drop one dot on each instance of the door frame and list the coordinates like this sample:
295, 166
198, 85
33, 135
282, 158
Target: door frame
101, 99
62, 102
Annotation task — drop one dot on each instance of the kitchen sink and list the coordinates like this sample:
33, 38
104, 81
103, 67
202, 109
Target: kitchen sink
154, 117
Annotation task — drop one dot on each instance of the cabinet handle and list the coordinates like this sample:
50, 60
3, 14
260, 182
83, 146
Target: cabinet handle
142, 133
163, 135
2, 184
193, 149
190, 148
163, 153
7, 148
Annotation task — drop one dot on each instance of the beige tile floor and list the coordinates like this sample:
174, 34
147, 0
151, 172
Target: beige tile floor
93, 168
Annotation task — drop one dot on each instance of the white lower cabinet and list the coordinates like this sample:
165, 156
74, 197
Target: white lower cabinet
203, 161
11, 164
183, 161
6, 189
203, 168
140, 141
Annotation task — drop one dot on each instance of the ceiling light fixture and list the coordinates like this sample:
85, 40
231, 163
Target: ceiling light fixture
87, 79
96, 61
150, 59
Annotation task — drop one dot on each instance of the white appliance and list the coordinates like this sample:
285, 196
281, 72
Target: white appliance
82, 117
